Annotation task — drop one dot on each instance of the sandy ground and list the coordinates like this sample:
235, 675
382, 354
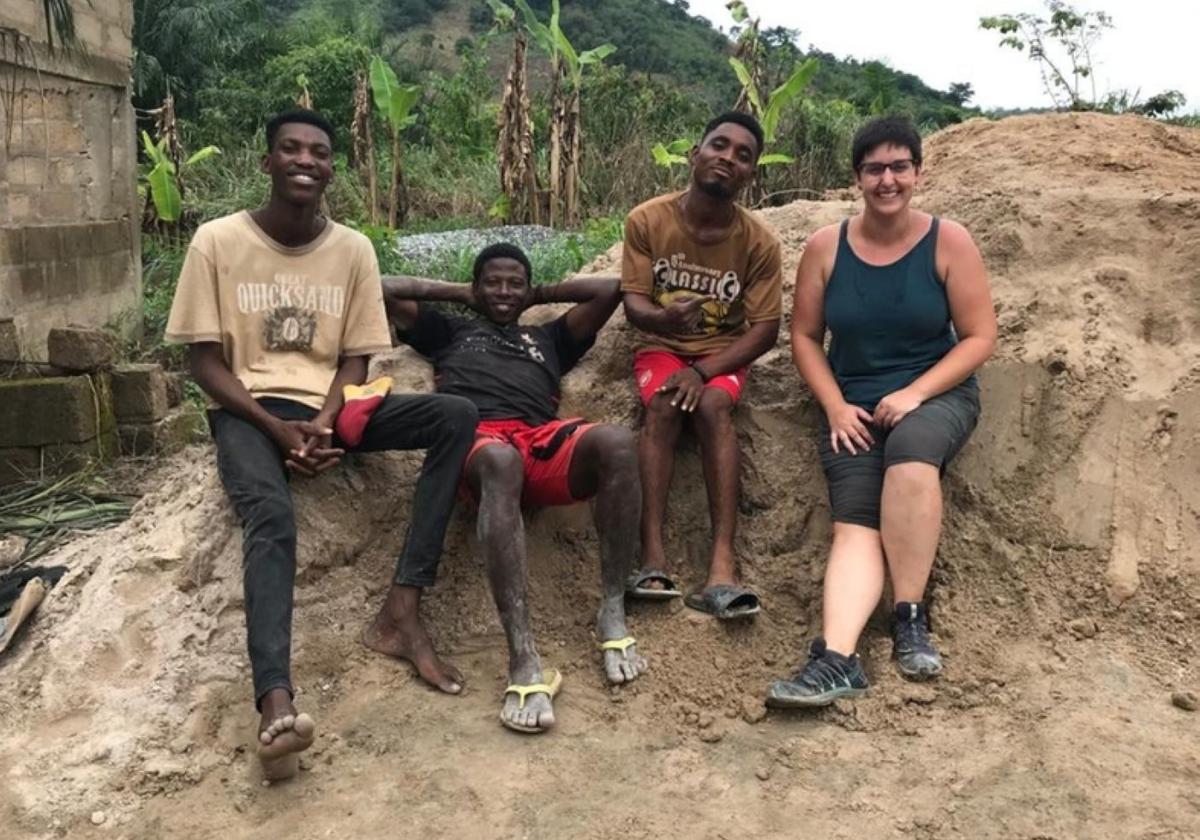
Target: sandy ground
1067, 592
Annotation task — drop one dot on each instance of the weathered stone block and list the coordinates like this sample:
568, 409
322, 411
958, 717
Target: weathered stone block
175, 388
28, 171
64, 137
66, 457
19, 464
10, 346
81, 349
34, 412
58, 204
20, 206
43, 243
31, 280
139, 393
12, 246
66, 280
170, 434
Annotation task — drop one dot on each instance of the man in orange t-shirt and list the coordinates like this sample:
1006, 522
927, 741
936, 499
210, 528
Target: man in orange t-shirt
702, 282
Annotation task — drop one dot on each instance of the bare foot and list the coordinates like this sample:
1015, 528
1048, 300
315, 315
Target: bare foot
397, 631
620, 666
283, 734
536, 714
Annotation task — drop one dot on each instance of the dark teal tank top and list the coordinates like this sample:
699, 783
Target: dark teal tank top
888, 324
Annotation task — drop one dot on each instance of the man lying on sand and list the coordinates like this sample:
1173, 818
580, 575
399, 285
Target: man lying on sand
702, 282
280, 308
524, 454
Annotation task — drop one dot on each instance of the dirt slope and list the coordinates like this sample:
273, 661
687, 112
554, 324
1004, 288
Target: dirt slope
1067, 592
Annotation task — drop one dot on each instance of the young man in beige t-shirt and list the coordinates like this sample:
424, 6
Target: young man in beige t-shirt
702, 279
281, 308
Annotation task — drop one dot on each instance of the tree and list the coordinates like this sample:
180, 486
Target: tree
566, 121
514, 122
396, 103
1061, 45
881, 87
363, 143
1163, 104
179, 44
329, 68
961, 93
164, 175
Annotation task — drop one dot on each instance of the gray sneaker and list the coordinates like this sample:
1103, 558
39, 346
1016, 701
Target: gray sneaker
915, 655
826, 676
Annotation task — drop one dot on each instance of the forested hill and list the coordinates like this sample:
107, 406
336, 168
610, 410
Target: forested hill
659, 37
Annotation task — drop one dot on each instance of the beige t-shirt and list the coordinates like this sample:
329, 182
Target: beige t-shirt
743, 272
282, 315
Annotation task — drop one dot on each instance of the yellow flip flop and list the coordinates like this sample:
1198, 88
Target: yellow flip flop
619, 644
552, 682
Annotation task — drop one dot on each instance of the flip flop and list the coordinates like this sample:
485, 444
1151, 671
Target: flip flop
724, 601
635, 586
619, 644
552, 683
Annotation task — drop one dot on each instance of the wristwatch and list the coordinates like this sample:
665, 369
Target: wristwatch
695, 365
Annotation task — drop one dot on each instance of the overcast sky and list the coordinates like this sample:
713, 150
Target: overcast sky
1152, 45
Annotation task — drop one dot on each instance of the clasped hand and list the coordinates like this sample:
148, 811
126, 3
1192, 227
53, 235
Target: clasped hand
307, 446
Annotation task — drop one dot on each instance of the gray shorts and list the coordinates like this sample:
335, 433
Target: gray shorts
932, 434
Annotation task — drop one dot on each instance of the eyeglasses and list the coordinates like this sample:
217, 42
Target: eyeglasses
898, 167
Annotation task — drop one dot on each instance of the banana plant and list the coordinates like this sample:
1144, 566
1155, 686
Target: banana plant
396, 102
164, 179
778, 100
566, 122
672, 153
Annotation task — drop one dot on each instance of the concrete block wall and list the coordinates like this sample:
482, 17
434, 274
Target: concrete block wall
53, 424
69, 246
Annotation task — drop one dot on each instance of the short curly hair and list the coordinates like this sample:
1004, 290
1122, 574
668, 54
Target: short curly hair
889, 130
501, 250
746, 121
297, 115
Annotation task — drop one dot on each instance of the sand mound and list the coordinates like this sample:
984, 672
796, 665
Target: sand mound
1068, 575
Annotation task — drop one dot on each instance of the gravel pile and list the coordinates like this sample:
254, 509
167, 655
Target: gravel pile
427, 247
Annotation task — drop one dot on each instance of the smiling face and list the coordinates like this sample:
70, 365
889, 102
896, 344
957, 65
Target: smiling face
300, 163
885, 190
724, 161
502, 290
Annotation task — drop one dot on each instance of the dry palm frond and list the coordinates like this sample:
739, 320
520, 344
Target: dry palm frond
60, 20
45, 513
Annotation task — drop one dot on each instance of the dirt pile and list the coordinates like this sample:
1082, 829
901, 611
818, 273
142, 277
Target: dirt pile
1067, 592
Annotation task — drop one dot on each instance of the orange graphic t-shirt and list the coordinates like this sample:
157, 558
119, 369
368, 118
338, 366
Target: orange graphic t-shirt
742, 273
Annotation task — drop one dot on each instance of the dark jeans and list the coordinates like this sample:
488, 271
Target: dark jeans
254, 475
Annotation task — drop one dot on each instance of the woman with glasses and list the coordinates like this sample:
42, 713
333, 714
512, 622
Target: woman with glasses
905, 298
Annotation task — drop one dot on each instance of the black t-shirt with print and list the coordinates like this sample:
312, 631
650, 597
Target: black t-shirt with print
508, 371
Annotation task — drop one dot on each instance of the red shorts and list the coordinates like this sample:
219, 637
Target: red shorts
652, 367
547, 478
